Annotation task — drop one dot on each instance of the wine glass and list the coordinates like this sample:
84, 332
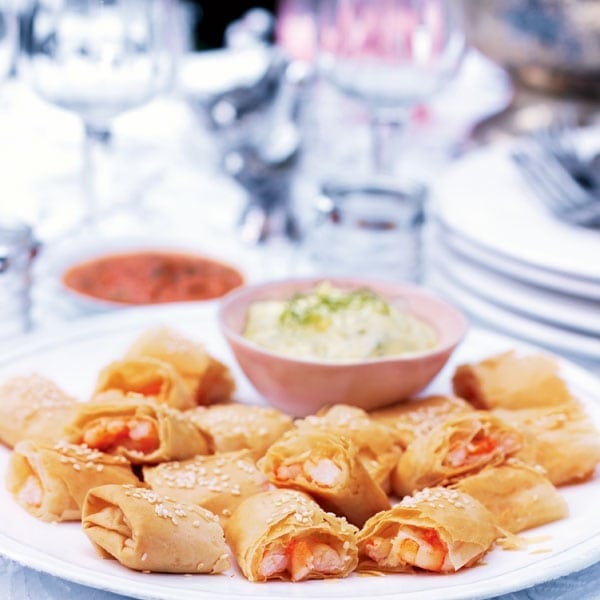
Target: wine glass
391, 54
98, 59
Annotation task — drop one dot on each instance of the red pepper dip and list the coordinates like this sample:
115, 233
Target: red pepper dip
152, 277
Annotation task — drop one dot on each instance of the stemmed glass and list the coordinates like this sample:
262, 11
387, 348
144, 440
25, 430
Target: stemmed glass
98, 58
391, 54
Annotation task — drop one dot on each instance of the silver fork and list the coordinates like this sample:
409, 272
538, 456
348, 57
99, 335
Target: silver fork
559, 141
555, 187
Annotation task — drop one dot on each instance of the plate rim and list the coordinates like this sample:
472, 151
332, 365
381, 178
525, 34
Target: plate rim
485, 285
557, 281
483, 314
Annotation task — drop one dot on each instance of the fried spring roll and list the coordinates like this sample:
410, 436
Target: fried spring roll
33, 408
456, 448
511, 381
219, 482
284, 534
152, 378
232, 427
561, 439
327, 467
50, 482
437, 529
519, 496
207, 379
141, 430
416, 417
374, 441
147, 532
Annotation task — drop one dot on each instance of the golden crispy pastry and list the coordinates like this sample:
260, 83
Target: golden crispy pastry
33, 408
284, 534
374, 441
518, 495
147, 532
511, 381
219, 482
456, 448
437, 529
328, 467
416, 417
50, 482
152, 378
141, 430
561, 439
240, 426
206, 378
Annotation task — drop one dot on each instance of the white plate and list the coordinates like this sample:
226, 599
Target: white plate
484, 198
560, 340
525, 272
72, 358
525, 298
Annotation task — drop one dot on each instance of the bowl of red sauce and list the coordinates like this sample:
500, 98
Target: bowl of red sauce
148, 276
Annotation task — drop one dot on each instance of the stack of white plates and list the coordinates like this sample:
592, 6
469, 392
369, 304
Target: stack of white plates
508, 263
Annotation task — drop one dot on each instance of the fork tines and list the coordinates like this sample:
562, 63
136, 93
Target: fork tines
554, 185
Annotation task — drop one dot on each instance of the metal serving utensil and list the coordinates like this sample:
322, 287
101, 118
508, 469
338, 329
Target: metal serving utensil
562, 182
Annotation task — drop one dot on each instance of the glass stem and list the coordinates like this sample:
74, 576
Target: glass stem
387, 129
95, 175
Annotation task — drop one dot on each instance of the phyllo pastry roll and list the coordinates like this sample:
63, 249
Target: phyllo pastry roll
152, 378
50, 482
141, 430
511, 381
219, 482
284, 534
437, 529
33, 408
240, 426
374, 441
456, 448
561, 439
147, 532
206, 378
328, 467
519, 496
413, 418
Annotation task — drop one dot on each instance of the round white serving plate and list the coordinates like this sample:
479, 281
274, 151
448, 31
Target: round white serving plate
72, 356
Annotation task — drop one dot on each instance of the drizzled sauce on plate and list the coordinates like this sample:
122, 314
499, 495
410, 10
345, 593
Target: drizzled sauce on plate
151, 277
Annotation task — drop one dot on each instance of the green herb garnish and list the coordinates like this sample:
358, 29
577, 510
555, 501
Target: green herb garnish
316, 310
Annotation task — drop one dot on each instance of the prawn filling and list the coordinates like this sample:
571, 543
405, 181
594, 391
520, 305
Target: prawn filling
311, 468
481, 447
407, 545
107, 434
309, 557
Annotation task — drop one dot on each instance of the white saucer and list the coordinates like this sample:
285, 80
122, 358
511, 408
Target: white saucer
563, 341
556, 308
512, 267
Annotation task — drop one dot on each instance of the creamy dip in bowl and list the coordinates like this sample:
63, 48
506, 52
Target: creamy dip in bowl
309, 343
334, 324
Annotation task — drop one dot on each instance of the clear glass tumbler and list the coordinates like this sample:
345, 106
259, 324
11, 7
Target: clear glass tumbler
367, 230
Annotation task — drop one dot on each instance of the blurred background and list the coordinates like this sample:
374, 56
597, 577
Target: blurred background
452, 144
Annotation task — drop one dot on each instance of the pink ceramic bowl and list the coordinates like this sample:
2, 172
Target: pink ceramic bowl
301, 387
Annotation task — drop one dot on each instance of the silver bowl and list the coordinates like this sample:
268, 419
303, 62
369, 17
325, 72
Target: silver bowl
549, 45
